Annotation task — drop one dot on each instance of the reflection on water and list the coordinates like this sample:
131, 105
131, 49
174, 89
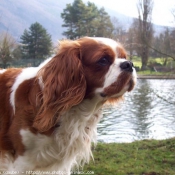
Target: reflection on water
148, 112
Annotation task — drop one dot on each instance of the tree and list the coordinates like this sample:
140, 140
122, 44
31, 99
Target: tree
85, 20
90, 19
157, 44
71, 16
166, 45
172, 43
118, 33
130, 43
7, 47
173, 13
75, 18
17, 54
145, 29
36, 42
105, 26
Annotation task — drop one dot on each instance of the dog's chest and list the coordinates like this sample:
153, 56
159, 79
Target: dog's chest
70, 142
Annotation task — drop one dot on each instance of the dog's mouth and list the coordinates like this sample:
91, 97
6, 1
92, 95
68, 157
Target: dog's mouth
131, 85
124, 83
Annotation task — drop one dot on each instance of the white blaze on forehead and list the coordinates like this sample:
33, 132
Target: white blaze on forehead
107, 41
114, 69
112, 74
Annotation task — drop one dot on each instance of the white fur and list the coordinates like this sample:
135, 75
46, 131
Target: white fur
134, 75
114, 69
113, 44
112, 74
70, 144
26, 74
2, 71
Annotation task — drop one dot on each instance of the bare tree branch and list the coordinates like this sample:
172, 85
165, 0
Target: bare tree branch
7, 46
158, 51
144, 29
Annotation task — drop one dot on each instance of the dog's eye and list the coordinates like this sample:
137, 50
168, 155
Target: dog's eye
104, 61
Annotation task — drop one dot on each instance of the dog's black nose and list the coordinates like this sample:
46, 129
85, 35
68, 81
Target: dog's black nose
127, 66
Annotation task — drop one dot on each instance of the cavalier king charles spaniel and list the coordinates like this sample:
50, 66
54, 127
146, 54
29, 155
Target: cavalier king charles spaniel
49, 114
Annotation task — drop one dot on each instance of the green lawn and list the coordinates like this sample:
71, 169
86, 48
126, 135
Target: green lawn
137, 63
148, 157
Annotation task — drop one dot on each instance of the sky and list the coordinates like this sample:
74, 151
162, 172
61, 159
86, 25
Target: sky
161, 14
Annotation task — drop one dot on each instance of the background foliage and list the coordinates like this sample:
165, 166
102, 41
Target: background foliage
86, 20
36, 43
80, 19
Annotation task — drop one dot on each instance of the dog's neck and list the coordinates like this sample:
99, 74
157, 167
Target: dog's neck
78, 129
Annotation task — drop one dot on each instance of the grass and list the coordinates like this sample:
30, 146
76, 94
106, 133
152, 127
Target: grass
137, 63
147, 157
148, 72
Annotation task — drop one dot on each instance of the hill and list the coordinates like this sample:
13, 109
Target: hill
19, 15
15, 16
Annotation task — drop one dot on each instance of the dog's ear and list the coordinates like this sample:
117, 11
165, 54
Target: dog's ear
64, 85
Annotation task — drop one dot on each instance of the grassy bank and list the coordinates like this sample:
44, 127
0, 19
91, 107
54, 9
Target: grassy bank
155, 66
148, 157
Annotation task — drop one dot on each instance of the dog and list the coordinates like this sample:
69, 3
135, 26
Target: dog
49, 114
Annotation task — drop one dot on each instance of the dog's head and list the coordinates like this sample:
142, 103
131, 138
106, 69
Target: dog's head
86, 68
107, 72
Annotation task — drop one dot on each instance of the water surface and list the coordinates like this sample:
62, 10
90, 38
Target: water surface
148, 112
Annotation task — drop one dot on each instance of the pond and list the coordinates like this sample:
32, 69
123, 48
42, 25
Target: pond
148, 112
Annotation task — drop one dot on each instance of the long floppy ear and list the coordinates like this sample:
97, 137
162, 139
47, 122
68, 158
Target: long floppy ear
64, 85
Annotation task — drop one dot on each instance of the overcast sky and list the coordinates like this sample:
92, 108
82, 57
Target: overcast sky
161, 11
